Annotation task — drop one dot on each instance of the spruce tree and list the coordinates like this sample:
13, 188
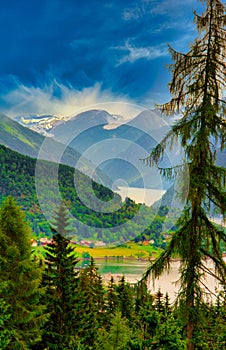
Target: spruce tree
198, 87
60, 281
112, 297
159, 305
117, 337
147, 317
90, 305
126, 299
142, 296
20, 293
5, 333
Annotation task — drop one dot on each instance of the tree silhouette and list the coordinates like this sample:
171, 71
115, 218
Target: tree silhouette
198, 84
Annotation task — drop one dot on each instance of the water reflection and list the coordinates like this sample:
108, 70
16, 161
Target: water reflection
134, 269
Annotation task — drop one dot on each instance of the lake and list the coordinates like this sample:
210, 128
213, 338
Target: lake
134, 269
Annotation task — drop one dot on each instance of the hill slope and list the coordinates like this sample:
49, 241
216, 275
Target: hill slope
28, 142
18, 177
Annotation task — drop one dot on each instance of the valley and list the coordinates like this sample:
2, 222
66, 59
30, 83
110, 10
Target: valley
38, 194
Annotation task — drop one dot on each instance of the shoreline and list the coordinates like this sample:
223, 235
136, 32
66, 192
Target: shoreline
113, 257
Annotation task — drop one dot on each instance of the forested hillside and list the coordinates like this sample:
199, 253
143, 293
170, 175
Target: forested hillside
28, 142
17, 178
50, 304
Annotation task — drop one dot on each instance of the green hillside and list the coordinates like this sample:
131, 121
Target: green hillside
17, 178
28, 142
19, 138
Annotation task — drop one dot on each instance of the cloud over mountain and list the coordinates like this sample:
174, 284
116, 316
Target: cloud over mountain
95, 50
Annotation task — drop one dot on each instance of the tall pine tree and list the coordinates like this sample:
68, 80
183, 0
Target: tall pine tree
112, 297
20, 293
90, 305
60, 281
198, 87
125, 299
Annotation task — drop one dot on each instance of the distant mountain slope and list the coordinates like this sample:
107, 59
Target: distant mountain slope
25, 141
18, 177
117, 151
115, 148
93, 126
19, 138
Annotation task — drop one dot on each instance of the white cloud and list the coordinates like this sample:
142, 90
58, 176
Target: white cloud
138, 10
136, 53
133, 13
168, 7
26, 101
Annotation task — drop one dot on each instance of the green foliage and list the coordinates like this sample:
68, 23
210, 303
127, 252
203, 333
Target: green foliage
118, 335
17, 178
125, 299
142, 296
20, 293
212, 334
169, 336
112, 297
80, 314
60, 282
90, 305
5, 333
61, 223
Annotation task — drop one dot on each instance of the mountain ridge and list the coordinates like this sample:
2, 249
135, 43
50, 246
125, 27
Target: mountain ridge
30, 143
116, 151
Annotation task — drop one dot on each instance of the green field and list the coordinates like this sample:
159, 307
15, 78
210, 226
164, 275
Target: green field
129, 250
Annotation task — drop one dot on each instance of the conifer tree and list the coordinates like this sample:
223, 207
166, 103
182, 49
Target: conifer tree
125, 296
198, 87
167, 307
147, 317
90, 305
169, 335
60, 281
5, 334
118, 335
142, 296
61, 222
112, 297
20, 276
159, 306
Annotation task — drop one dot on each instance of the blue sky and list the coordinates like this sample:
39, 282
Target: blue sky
61, 55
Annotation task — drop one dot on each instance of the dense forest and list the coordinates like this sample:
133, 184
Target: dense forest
50, 304
17, 178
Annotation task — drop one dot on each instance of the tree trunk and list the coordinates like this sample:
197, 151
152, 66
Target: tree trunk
189, 335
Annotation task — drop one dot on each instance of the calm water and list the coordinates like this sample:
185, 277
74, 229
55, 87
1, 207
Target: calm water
134, 269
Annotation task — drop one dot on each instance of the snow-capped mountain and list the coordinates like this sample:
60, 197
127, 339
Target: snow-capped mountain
44, 123
113, 146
